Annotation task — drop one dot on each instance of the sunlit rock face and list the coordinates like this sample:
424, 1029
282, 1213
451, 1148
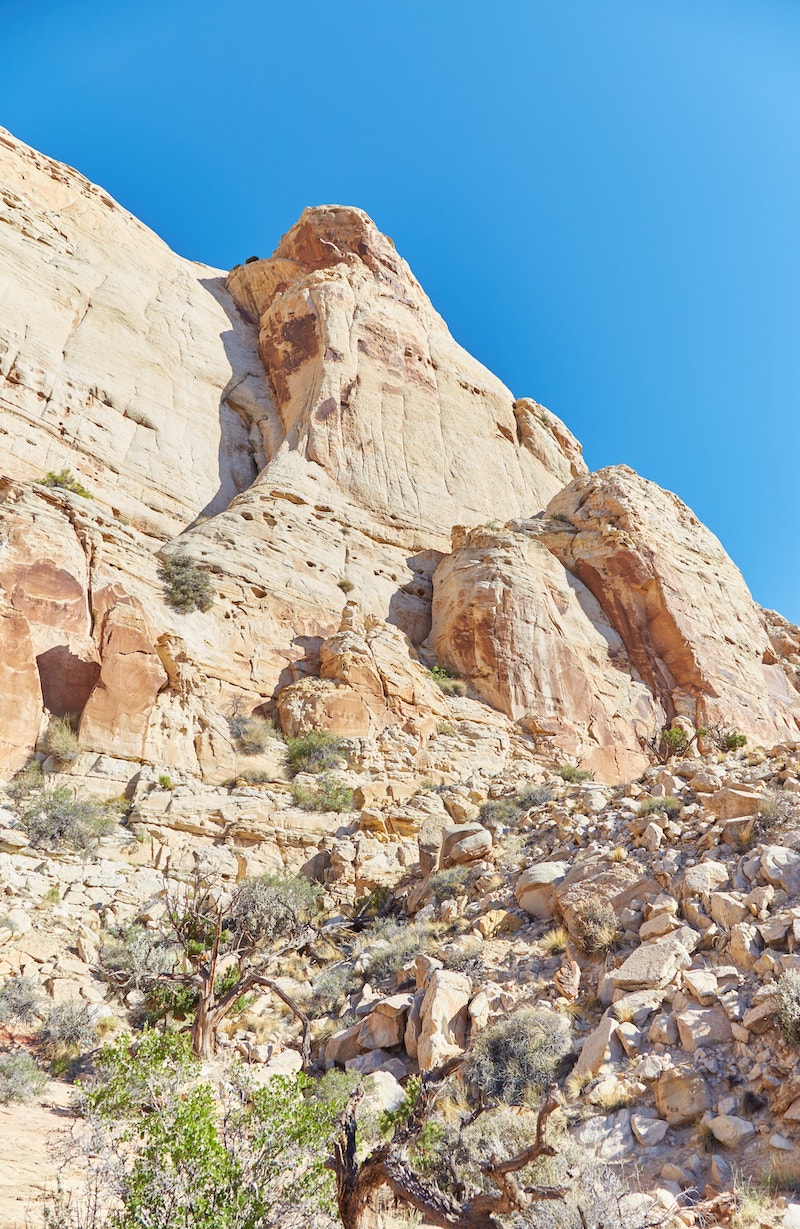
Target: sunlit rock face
308, 431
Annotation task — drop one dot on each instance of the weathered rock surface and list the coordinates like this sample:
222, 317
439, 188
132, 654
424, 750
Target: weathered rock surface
681, 607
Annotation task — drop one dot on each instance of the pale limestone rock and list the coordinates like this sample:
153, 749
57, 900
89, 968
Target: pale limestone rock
609, 1137
536, 885
598, 1048
462, 843
731, 1131
652, 965
681, 1096
701, 1027
648, 1131
781, 868
443, 1018
734, 802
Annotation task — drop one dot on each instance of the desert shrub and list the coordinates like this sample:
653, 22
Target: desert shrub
448, 682
731, 741
670, 806
187, 587
466, 960
317, 751
519, 1055
67, 481
19, 1001
56, 817
448, 884
596, 929
346, 585
249, 776
26, 781
676, 741
331, 986
329, 794
787, 1004
777, 810
508, 810
165, 781
573, 775
272, 906
252, 734
67, 1032
392, 945
61, 740
20, 1078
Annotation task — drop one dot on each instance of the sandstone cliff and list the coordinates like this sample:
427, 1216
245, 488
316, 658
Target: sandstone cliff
304, 428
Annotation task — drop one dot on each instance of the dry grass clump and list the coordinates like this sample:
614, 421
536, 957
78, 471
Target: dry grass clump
554, 941
596, 929
519, 1055
61, 739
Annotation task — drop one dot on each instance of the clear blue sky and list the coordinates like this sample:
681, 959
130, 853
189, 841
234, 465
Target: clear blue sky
602, 197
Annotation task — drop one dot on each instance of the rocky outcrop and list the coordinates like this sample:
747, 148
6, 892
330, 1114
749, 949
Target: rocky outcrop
369, 679
534, 643
680, 605
372, 389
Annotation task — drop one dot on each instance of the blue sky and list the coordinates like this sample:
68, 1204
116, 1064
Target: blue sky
602, 197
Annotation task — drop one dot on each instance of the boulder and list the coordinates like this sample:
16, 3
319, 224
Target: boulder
443, 1018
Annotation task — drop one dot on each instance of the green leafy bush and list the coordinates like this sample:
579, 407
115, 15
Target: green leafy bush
328, 795
731, 741
56, 817
20, 1078
317, 751
519, 1055
187, 587
169, 1151
61, 739
20, 1001
67, 481
165, 781
508, 810
448, 682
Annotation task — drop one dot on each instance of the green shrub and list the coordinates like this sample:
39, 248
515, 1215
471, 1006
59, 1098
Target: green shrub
56, 817
61, 739
187, 587
346, 585
787, 1004
595, 928
19, 1001
519, 1054
317, 751
573, 774
448, 682
66, 480
731, 741
20, 1078
670, 806
507, 810
165, 781
328, 795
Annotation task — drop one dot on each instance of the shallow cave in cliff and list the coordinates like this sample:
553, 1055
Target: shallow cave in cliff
66, 680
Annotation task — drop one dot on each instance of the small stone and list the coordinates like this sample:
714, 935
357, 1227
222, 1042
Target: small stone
648, 1131
732, 1131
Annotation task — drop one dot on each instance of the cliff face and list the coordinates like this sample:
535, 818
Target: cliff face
304, 428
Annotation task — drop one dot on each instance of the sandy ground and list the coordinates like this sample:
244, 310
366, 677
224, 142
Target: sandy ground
27, 1171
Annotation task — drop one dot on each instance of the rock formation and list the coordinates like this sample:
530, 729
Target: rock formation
304, 428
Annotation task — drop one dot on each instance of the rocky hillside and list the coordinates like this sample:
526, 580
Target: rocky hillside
284, 501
